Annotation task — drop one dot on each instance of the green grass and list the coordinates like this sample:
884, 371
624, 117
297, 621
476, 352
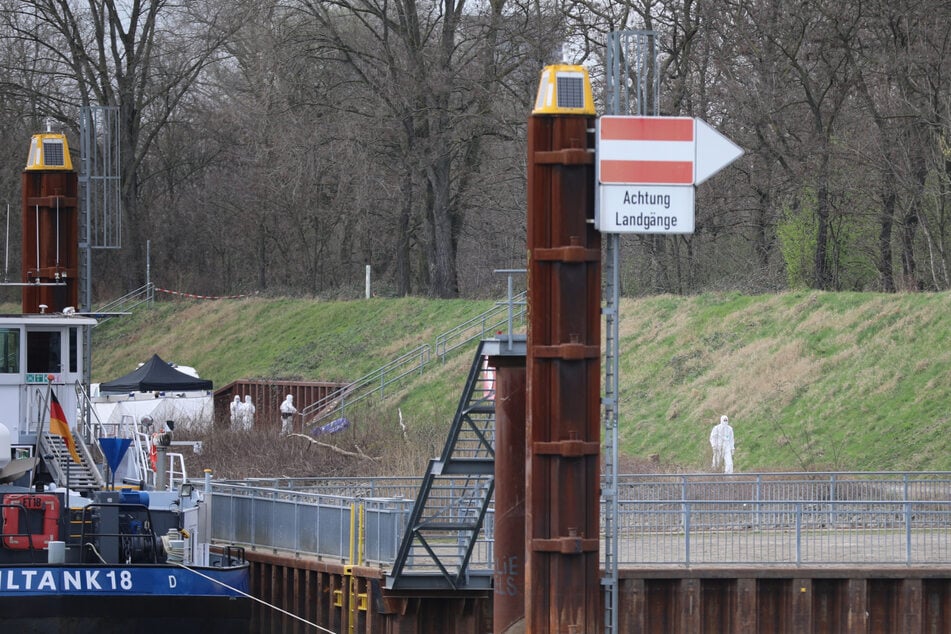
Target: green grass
278, 339
856, 381
818, 380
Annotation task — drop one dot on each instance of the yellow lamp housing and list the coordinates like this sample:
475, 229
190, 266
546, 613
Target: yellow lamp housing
49, 151
564, 89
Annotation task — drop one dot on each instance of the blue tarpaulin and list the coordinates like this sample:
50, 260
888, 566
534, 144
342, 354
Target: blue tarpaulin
338, 424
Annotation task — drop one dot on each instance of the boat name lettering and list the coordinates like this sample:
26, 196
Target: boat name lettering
64, 580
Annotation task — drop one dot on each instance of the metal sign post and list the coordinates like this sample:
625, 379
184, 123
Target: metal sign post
646, 168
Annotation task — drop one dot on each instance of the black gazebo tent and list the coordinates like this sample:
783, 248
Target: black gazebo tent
155, 375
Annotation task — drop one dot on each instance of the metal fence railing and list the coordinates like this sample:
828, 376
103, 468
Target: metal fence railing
373, 384
299, 522
784, 532
316, 522
785, 518
825, 486
688, 519
503, 317
144, 295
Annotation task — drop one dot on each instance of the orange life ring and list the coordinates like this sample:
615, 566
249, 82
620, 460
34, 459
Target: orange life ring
14, 505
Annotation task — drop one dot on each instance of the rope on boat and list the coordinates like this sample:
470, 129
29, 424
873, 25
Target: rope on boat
253, 598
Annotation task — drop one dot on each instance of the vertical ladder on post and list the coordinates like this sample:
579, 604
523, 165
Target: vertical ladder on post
632, 87
609, 403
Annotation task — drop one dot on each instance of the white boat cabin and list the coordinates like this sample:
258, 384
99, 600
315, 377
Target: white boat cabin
39, 353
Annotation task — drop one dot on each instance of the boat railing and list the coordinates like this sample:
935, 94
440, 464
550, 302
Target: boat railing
140, 454
232, 555
177, 472
140, 448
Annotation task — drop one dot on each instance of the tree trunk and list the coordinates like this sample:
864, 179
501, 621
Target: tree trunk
887, 221
403, 273
444, 283
823, 275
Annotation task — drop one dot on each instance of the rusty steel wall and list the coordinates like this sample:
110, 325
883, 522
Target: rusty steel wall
267, 396
563, 360
783, 601
351, 599
664, 600
50, 241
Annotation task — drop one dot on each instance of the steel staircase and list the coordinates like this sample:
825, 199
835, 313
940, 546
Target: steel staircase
78, 476
454, 496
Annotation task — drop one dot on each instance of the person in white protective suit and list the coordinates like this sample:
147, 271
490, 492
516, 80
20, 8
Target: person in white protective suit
247, 413
236, 413
287, 415
721, 441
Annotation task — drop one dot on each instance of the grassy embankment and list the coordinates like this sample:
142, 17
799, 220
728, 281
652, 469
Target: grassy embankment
810, 380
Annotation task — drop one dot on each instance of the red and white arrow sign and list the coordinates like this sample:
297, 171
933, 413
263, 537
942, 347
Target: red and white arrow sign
660, 151
647, 168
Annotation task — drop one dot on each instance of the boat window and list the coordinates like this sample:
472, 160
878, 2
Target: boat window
9, 350
43, 352
73, 350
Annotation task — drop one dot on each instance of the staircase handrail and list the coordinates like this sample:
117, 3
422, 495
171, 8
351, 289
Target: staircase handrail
413, 361
88, 429
60, 472
488, 323
91, 430
145, 294
503, 313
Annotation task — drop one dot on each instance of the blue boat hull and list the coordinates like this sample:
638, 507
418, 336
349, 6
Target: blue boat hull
139, 599
134, 580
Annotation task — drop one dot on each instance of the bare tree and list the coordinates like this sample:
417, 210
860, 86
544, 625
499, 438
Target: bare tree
142, 57
434, 74
282, 146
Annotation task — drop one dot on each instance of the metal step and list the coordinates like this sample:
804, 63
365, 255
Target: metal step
457, 489
66, 472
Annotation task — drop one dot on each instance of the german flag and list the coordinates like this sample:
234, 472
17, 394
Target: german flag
60, 427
